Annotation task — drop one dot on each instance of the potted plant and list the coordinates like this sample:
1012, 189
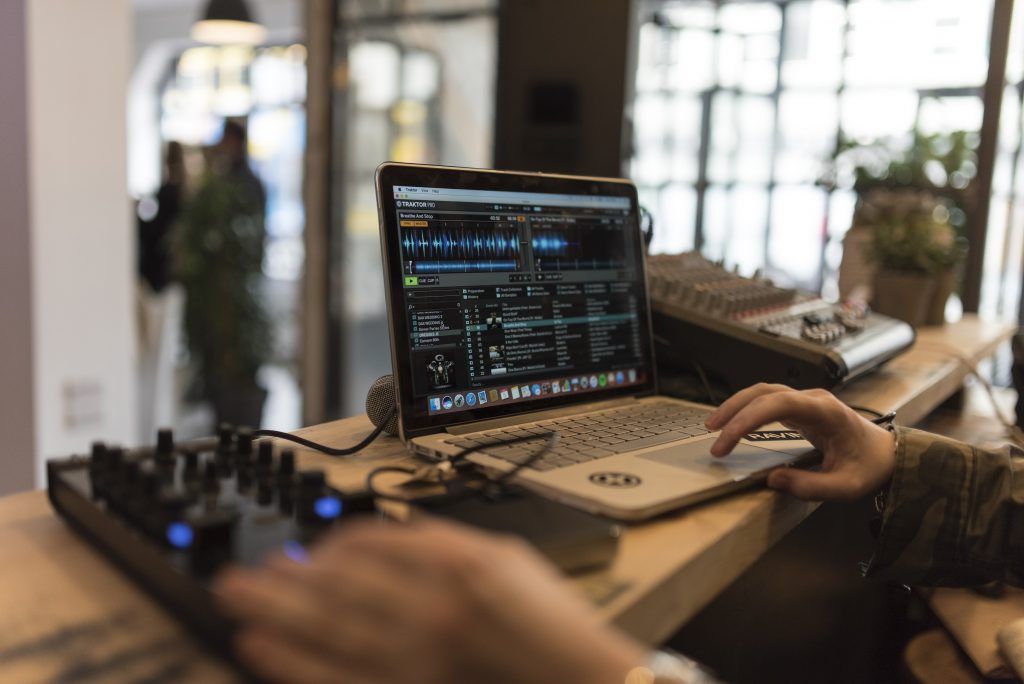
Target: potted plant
915, 254
913, 206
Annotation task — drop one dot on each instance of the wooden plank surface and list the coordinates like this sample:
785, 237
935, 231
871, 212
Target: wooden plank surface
974, 621
68, 616
64, 610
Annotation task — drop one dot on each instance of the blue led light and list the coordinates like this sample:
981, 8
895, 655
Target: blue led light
296, 551
180, 535
328, 507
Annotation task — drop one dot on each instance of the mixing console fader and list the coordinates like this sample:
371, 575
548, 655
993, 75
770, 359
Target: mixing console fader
171, 515
741, 331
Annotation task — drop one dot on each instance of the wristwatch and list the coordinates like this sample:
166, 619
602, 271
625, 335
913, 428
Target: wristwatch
668, 667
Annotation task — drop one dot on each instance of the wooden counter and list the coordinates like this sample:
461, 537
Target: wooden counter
66, 614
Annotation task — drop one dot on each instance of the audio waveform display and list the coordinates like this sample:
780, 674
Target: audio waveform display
551, 244
580, 247
481, 266
461, 250
461, 244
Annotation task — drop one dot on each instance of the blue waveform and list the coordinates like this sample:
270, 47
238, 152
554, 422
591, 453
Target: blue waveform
464, 266
569, 264
460, 244
551, 244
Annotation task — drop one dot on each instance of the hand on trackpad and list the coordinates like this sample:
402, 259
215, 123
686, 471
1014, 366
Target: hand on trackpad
744, 460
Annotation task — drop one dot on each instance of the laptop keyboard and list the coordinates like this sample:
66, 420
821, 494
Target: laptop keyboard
591, 436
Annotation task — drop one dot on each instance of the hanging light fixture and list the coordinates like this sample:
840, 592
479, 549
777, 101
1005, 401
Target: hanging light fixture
228, 22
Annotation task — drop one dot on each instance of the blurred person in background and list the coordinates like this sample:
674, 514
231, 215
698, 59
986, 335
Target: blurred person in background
219, 260
155, 231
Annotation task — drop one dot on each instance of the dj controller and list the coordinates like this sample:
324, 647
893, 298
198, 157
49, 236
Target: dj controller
171, 515
739, 331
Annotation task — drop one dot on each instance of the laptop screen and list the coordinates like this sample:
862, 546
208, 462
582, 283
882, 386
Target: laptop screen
513, 299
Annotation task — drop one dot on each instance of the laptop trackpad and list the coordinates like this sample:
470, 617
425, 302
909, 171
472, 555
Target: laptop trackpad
696, 457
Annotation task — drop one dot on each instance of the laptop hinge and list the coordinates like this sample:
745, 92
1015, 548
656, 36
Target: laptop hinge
535, 416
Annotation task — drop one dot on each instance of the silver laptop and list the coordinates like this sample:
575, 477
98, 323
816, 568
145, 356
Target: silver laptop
517, 305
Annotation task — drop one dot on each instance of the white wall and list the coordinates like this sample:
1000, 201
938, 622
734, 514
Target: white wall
82, 231
16, 460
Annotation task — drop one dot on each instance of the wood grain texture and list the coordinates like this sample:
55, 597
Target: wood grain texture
66, 615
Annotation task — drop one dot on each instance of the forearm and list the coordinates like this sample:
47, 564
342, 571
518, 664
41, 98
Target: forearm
954, 514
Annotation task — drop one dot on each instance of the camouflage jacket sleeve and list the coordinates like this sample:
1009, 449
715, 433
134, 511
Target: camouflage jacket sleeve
954, 514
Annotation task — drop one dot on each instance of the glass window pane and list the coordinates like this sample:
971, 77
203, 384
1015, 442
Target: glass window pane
991, 278
840, 212
871, 114
375, 69
814, 40
1010, 121
945, 114
1015, 57
745, 240
694, 13
650, 73
693, 66
796, 238
808, 124
717, 221
918, 43
673, 229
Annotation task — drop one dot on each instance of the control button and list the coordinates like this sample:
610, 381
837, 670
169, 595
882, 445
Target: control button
328, 507
180, 535
164, 442
213, 541
225, 437
243, 444
265, 456
98, 469
312, 480
211, 478
286, 467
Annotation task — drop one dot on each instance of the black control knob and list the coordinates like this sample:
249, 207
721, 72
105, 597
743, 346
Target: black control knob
173, 505
312, 481
315, 504
225, 437
264, 493
98, 469
265, 456
164, 441
213, 541
243, 443
211, 478
286, 466
115, 456
150, 485
191, 463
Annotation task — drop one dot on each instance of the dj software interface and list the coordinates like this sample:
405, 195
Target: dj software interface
514, 296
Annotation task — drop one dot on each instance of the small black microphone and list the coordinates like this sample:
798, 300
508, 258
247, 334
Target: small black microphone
380, 404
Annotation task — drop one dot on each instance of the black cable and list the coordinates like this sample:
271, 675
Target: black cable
879, 417
865, 409
707, 385
323, 448
551, 438
886, 419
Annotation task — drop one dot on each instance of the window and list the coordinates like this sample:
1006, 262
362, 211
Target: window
740, 106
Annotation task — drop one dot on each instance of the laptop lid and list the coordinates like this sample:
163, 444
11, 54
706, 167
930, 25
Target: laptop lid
510, 292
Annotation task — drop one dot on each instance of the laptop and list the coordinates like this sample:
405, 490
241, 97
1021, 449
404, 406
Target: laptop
517, 306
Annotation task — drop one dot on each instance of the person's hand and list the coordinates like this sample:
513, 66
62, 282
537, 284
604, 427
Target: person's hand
430, 602
859, 456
